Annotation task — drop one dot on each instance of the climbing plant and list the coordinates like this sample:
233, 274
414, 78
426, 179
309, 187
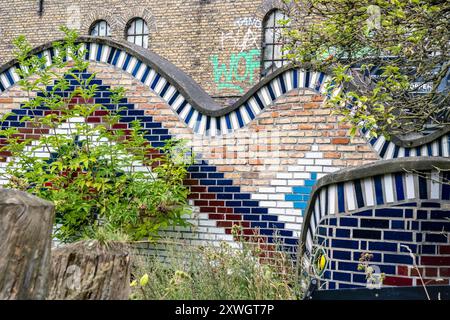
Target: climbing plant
103, 181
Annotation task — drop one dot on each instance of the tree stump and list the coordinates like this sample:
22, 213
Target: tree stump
87, 270
25, 241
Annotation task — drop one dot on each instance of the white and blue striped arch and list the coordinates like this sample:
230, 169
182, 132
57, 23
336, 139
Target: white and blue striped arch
209, 125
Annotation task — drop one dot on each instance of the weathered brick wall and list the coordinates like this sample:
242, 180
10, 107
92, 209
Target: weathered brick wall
191, 34
260, 176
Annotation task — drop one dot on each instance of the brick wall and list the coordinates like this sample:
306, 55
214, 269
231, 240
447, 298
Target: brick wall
259, 176
190, 34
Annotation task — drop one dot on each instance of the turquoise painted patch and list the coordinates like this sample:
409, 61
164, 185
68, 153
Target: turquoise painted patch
300, 195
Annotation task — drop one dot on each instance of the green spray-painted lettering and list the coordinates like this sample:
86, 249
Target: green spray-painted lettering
229, 77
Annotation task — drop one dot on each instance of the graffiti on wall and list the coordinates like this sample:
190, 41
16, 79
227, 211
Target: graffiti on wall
239, 70
245, 37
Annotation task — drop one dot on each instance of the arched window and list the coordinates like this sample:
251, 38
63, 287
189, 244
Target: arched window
272, 53
137, 32
100, 28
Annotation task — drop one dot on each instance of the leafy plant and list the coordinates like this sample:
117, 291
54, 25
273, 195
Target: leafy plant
390, 59
98, 177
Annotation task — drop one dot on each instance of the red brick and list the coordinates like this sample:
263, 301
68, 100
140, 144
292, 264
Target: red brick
217, 203
444, 249
431, 272
444, 272
332, 155
198, 189
435, 260
340, 141
208, 209
207, 196
403, 270
224, 224
190, 182
200, 203
233, 217
215, 216
397, 281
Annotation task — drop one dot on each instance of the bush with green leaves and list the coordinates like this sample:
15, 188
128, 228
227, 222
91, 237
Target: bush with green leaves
404, 44
101, 180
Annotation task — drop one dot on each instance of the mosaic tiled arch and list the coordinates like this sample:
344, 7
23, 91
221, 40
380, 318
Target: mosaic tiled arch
200, 113
388, 210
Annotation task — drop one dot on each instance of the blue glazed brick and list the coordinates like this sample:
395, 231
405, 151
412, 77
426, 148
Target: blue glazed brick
342, 276
422, 214
348, 266
293, 197
363, 245
430, 204
428, 249
348, 222
216, 190
418, 237
359, 278
341, 255
397, 235
214, 175
259, 210
412, 247
343, 233
233, 203
433, 237
383, 246
397, 258
408, 213
300, 205
302, 190
249, 203
196, 175
414, 225
327, 275
435, 226
208, 169
349, 244
322, 231
243, 196
252, 217
242, 210
193, 169
375, 223
389, 212
366, 234
225, 182
208, 182
275, 224
397, 224
365, 213
269, 218
333, 222
331, 285
232, 189
437, 214
258, 224
150, 125
387, 269
376, 257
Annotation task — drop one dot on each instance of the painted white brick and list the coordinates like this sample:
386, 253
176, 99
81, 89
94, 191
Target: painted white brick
302, 175
267, 190
276, 211
278, 182
285, 204
276, 196
296, 182
298, 168
293, 226
314, 155
314, 168
284, 175
268, 203
324, 162
305, 161
259, 196
283, 189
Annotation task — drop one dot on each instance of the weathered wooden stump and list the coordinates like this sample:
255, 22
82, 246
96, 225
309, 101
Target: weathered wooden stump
87, 270
25, 241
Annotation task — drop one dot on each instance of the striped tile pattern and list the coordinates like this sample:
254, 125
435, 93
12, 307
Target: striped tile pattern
214, 126
379, 214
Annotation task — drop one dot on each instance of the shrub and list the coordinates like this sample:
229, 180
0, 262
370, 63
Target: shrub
98, 178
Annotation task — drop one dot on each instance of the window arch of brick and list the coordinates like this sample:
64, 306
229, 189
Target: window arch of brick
137, 32
272, 41
100, 28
